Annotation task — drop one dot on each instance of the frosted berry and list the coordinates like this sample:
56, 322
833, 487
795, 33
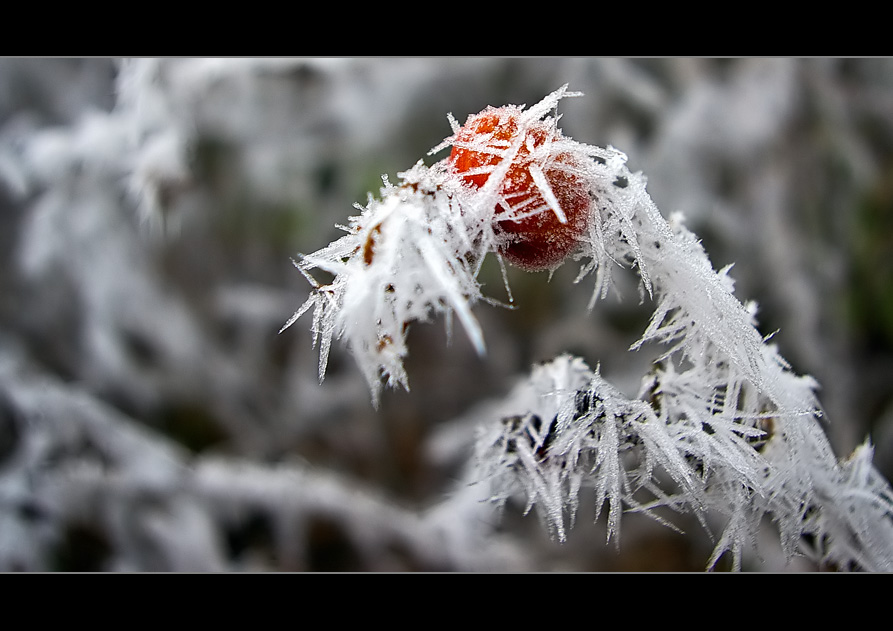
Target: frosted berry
537, 239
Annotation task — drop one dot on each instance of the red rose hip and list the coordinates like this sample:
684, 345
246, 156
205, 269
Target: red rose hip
534, 237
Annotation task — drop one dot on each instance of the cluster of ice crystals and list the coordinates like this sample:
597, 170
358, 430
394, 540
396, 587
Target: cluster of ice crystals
407, 257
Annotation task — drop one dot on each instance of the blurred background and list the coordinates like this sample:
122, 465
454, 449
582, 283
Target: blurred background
153, 419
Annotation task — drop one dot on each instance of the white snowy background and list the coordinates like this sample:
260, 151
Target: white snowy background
152, 418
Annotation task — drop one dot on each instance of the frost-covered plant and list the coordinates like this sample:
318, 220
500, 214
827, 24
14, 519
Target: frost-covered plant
417, 251
721, 426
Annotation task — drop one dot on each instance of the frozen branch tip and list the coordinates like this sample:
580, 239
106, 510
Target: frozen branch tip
513, 185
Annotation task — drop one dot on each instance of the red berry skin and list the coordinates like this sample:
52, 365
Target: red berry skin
539, 241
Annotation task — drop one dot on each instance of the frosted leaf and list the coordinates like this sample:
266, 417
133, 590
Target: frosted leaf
565, 429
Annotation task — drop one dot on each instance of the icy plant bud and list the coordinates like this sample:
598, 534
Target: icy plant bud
513, 184
543, 206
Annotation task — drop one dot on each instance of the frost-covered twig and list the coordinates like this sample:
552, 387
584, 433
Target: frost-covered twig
721, 425
416, 252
